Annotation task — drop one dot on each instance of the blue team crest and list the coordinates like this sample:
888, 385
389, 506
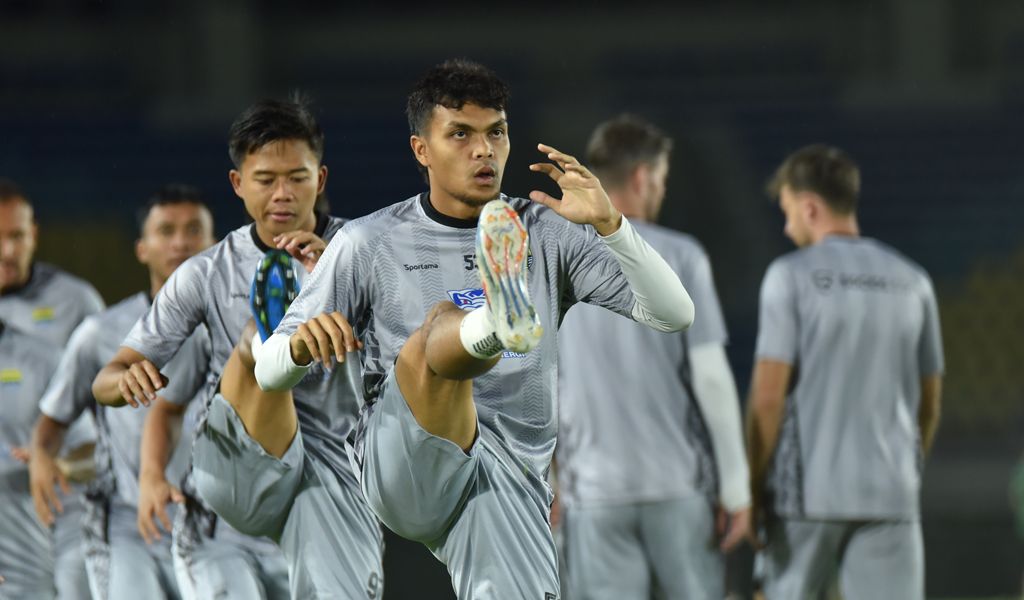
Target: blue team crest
469, 298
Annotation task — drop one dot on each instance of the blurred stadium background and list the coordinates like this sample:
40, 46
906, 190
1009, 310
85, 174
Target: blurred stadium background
103, 101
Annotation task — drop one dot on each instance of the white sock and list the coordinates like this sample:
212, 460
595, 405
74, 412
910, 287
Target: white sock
478, 335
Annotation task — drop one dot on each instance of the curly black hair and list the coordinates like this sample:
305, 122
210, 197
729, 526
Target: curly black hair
452, 84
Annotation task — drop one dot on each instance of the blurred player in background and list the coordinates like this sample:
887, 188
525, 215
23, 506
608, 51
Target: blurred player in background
652, 474
26, 546
47, 303
456, 441
844, 397
174, 225
277, 150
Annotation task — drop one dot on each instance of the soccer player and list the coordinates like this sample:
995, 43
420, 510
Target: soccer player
645, 491
455, 444
844, 398
47, 303
277, 150
26, 547
174, 225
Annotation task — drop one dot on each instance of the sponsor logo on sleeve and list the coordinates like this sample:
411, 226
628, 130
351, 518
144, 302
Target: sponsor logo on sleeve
43, 314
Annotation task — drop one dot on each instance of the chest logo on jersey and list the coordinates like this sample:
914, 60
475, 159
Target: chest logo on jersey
43, 313
471, 298
10, 376
468, 299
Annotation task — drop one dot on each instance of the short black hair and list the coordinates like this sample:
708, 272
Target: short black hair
171, 193
619, 145
825, 170
453, 84
269, 121
9, 192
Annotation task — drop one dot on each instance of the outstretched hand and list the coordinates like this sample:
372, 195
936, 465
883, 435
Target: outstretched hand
583, 201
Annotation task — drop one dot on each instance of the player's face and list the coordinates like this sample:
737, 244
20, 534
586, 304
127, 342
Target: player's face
17, 243
464, 152
279, 184
172, 233
657, 175
794, 207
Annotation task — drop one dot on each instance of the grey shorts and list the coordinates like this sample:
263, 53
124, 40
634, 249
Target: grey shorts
329, 536
26, 547
483, 517
876, 560
662, 549
120, 564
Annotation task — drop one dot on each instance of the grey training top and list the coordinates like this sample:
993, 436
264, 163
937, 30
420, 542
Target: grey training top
69, 394
50, 305
860, 325
26, 364
386, 270
212, 289
628, 429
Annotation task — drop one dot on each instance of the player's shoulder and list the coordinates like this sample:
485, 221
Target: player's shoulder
237, 241
65, 283
331, 226
131, 307
367, 229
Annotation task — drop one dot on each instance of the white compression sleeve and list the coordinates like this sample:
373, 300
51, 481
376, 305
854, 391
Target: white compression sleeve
662, 302
719, 403
275, 369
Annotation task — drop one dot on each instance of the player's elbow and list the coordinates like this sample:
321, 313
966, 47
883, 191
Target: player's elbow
679, 317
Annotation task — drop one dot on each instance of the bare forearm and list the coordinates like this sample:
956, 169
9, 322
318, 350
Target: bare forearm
105, 387
48, 436
930, 411
160, 435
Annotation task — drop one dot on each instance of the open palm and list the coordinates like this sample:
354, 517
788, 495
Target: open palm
583, 200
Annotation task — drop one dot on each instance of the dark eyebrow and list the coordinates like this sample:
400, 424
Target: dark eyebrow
459, 125
292, 172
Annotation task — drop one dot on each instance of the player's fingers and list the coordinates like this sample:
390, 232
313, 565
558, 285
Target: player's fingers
165, 521
62, 481
557, 155
721, 521
323, 340
335, 334
126, 392
351, 343
156, 378
57, 504
579, 170
38, 491
542, 198
138, 392
144, 384
147, 528
176, 496
309, 341
549, 169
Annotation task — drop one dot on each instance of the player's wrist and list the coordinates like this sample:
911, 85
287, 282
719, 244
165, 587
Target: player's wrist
606, 227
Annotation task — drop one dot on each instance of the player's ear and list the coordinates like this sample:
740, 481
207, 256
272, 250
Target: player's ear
322, 183
419, 149
639, 179
235, 177
141, 251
